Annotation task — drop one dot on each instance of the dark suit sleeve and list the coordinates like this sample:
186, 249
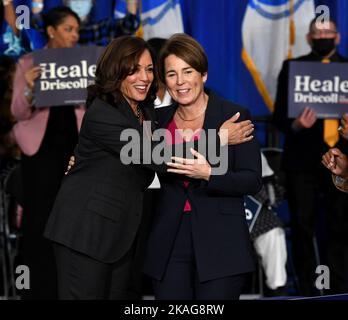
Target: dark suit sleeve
244, 173
107, 134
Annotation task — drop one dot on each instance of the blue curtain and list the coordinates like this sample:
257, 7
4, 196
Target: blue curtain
342, 21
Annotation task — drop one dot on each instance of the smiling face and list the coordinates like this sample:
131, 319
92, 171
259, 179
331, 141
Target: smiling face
65, 35
184, 83
136, 85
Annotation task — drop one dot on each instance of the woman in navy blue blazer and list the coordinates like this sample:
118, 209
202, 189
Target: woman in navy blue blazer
199, 245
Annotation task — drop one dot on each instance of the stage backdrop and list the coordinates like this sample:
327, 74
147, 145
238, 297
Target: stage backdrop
217, 25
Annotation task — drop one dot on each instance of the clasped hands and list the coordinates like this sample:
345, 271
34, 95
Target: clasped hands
230, 132
336, 162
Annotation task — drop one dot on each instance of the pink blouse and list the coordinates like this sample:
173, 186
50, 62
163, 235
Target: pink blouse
173, 136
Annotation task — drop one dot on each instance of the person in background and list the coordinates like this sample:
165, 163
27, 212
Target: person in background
47, 137
268, 232
99, 32
14, 42
103, 31
8, 146
308, 185
336, 161
163, 97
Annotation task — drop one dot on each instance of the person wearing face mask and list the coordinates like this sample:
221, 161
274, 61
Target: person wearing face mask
98, 32
309, 186
103, 31
81, 7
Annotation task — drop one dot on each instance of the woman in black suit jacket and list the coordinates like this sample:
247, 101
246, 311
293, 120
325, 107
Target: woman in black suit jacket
95, 222
97, 212
199, 246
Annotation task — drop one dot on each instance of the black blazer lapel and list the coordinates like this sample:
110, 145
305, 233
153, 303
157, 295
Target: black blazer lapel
150, 115
165, 114
126, 109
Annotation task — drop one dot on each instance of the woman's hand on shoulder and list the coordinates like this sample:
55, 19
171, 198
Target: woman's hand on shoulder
232, 132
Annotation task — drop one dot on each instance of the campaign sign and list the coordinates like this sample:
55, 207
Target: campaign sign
252, 210
65, 75
320, 86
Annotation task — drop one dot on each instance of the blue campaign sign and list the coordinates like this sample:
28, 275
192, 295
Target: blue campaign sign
252, 210
320, 86
65, 75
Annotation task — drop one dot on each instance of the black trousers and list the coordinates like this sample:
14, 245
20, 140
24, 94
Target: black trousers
82, 278
303, 198
42, 174
181, 279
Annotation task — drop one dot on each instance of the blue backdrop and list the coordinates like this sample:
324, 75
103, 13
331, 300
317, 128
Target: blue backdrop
217, 26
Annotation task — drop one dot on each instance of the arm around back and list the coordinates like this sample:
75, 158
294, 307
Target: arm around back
244, 169
105, 125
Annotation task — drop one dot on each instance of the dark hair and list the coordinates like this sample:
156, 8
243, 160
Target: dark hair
156, 45
314, 20
119, 59
57, 15
186, 48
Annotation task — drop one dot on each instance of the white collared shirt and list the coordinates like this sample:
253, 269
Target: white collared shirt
167, 101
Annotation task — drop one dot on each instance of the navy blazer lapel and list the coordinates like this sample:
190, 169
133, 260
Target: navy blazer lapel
213, 115
150, 115
165, 114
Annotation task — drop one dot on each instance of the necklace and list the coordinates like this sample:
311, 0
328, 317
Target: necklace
182, 118
138, 112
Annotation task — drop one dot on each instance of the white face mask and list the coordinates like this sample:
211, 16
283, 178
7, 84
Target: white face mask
81, 7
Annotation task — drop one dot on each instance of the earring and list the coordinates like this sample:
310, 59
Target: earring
51, 36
